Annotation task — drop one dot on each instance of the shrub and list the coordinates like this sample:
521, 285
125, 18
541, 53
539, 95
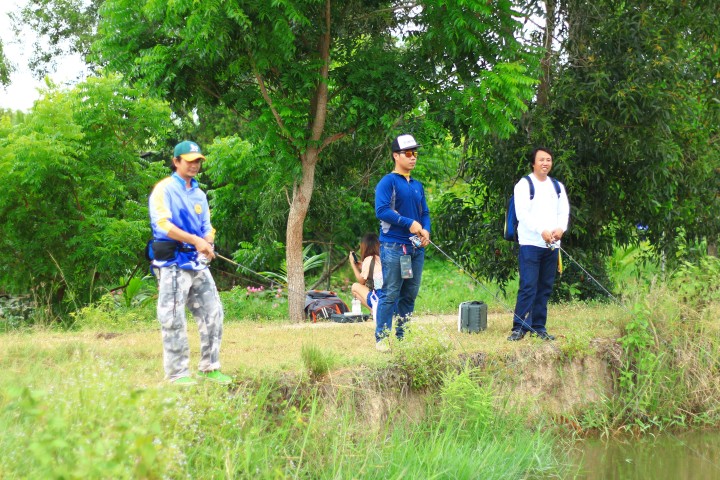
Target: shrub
423, 356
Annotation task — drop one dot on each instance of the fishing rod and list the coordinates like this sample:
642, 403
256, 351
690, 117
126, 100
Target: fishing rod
286, 287
522, 321
269, 280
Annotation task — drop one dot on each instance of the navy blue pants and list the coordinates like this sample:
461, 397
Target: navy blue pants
537, 276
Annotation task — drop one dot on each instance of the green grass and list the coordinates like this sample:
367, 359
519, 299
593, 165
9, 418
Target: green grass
86, 417
318, 401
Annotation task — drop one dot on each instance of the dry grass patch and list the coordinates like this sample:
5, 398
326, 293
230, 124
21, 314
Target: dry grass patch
254, 347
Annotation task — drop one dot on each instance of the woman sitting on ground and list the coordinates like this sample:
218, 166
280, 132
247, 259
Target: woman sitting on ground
368, 271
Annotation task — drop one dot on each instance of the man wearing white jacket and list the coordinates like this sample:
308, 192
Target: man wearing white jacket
542, 212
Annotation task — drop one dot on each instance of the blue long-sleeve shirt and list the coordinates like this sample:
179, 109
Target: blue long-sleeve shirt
398, 202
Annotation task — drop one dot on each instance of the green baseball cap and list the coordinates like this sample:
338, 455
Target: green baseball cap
189, 151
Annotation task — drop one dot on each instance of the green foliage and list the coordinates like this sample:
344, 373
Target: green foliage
73, 209
669, 358
632, 267
137, 291
90, 422
465, 435
110, 313
317, 362
242, 303
62, 27
5, 68
633, 106
631, 117
466, 402
642, 361
302, 78
696, 280
15, 312
310, 262
585, 276
577, 344
247, 208
444, 287
422, 356
91, 426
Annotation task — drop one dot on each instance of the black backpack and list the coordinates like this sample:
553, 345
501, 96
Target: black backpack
322, 304
511, 221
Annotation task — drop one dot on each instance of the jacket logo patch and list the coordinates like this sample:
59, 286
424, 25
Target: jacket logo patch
198, 208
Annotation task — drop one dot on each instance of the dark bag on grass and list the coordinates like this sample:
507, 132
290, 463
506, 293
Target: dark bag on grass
322, 304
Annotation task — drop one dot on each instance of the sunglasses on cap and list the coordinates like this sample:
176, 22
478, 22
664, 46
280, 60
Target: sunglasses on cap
409, 153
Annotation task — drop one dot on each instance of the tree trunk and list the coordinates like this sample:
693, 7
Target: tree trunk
546, 63
302, 194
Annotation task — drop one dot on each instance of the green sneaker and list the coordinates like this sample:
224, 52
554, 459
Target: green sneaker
216, 376
184, 381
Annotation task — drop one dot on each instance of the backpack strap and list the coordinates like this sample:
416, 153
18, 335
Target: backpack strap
556, 184
532, 187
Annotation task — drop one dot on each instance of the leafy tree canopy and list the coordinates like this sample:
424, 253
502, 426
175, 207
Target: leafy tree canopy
73, 209
62, 27
5, 67
302, 75
633, 118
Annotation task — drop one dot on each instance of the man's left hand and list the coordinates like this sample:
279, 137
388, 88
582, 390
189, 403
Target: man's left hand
424, 237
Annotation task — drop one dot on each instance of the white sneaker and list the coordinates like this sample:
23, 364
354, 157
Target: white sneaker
382, 346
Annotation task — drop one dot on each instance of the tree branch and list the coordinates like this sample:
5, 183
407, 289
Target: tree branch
268, 100
334, 138
321, 96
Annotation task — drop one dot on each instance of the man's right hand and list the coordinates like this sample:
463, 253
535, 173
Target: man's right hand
547, 236
416, 228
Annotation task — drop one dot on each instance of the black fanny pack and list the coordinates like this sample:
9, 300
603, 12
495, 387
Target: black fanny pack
163, 250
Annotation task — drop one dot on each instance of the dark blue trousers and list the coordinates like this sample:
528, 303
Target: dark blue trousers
537, 276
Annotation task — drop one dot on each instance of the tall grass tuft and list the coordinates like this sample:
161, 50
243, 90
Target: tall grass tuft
317, 362
464, 435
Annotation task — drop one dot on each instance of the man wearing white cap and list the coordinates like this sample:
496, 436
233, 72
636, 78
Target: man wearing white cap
402, 209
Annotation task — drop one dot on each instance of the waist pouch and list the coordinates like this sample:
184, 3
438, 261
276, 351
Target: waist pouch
162, 250
165, 250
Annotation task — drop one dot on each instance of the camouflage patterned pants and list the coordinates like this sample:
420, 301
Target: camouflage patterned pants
195, 290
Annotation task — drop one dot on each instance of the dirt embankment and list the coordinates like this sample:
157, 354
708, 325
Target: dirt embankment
540, 380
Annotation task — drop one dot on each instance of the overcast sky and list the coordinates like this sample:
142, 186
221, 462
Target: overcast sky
22, 92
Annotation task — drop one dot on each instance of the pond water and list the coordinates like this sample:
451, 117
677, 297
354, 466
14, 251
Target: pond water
686, 456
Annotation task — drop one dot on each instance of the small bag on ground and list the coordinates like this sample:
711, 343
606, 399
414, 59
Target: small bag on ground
322, 304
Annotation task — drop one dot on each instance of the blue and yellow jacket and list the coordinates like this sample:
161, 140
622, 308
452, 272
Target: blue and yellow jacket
187, 209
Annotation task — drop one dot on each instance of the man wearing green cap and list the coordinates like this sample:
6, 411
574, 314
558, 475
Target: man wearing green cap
182, 248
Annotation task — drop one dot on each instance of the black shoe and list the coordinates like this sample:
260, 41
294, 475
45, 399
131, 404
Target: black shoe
516, 335
543, 336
